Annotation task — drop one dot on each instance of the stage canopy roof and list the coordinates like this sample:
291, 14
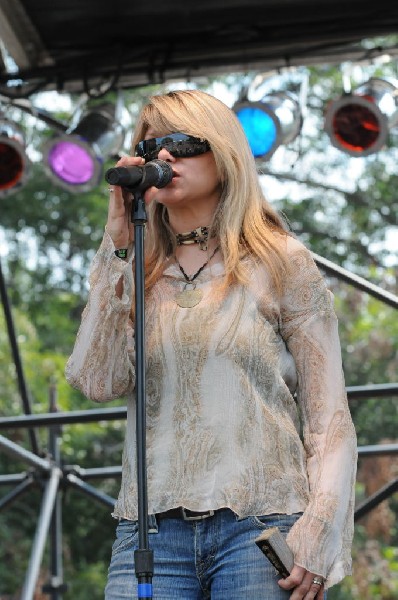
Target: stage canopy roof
77, 45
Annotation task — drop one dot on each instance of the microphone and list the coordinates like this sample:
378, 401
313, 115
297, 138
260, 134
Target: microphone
156, 172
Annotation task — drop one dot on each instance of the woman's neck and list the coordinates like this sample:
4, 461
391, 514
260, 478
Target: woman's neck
183, 221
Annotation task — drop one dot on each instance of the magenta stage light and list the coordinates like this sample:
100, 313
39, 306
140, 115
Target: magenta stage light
71, 163
74, 160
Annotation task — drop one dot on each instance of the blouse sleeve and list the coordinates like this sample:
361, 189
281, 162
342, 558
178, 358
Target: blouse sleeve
321, 539
102, 362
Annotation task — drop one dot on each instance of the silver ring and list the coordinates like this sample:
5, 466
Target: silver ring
318, 580
111, 190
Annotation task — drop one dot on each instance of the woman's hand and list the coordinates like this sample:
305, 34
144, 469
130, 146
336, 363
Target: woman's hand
300, 581
119, 225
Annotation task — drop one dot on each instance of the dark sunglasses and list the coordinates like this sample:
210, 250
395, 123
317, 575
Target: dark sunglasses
179, 145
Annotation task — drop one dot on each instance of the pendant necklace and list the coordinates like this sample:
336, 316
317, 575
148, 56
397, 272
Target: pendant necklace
190, 295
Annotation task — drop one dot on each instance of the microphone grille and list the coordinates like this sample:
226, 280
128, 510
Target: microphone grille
164, 170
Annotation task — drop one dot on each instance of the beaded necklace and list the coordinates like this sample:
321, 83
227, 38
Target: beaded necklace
197, 236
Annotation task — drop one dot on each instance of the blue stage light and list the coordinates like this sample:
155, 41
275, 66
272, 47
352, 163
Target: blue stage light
269, 123
260, 127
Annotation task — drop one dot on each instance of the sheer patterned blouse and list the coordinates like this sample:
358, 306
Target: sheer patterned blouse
246, 403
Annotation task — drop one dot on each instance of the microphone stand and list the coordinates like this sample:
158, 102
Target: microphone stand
143, 557
137, 180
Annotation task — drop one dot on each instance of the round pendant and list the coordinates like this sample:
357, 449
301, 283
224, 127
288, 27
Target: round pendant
189, 298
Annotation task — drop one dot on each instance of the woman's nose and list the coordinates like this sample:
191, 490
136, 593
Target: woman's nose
164, 154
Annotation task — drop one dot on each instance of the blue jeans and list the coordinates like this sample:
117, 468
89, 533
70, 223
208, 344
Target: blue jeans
196, 560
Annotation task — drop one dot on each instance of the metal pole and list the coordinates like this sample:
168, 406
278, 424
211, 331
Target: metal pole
94, 473
359, 282
16, 492
91, 491
377, 450
370, 503
15, 478
66, 418
23, 390
376, 390
42, 528
56, 585
19, 452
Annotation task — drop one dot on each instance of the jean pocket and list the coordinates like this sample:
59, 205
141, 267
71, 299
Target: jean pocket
282, 521
126, 536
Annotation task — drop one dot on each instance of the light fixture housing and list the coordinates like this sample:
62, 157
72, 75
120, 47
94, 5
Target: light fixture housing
273, 121
14, 169
74, 160
358, 123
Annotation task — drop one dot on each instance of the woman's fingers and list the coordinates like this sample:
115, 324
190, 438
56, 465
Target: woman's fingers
116, 201
302, 584
321, 589
119, 224
295, 578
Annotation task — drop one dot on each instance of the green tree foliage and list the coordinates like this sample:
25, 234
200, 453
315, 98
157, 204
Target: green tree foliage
344, 209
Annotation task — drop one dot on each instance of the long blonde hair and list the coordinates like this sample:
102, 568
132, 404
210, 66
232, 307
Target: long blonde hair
244, 222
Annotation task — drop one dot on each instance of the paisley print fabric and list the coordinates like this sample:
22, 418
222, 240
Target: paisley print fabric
246, 403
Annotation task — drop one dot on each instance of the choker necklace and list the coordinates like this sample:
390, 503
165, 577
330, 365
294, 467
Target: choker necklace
190, 296
197, 236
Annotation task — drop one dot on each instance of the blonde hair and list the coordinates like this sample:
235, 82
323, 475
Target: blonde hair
244, 222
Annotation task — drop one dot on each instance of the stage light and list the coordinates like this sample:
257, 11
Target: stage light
74, 160
359, 122
13, 161
270, 122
